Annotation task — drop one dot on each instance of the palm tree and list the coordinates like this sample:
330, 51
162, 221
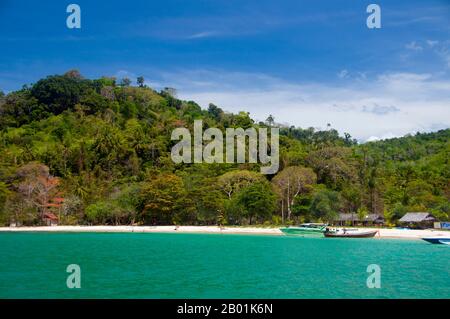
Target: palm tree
270, 120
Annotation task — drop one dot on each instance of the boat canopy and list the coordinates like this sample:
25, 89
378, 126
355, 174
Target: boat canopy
313, 225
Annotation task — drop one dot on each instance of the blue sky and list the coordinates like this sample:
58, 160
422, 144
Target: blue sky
308, 63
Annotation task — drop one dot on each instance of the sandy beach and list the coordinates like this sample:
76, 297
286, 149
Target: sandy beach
383, 232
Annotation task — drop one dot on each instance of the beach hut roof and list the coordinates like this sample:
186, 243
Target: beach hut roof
50, 216
373, 217
417, 217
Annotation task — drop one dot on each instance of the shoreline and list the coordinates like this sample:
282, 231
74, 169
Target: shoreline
383, 232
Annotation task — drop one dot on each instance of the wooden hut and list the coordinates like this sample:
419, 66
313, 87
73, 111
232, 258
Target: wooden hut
50, 219
353, 219
418, 220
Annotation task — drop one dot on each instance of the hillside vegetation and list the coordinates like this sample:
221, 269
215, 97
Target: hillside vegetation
98, 152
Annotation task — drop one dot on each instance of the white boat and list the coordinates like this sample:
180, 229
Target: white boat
350, 233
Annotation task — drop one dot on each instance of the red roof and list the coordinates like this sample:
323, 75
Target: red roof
50, 216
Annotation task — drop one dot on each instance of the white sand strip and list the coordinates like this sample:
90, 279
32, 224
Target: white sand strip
146, 229
412, 233
383, 233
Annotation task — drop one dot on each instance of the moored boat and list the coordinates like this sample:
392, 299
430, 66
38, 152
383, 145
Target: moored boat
305, 229
350, 233
437, 240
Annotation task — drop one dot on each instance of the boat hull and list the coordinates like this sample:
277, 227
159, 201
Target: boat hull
437, 240
366, 234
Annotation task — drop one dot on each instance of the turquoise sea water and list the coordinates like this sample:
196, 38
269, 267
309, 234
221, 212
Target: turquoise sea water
139, 265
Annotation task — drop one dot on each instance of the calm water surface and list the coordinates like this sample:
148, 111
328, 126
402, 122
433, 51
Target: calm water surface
137, 265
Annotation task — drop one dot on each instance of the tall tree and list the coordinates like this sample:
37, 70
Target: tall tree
334, 166
292, 182
231, 182
257, 200
325, 205
163, 198
125, 82
270, 120
5, 193
140, 81
36, 187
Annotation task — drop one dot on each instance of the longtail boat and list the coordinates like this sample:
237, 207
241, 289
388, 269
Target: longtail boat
350, 233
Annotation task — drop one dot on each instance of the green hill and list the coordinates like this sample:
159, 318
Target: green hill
97, 152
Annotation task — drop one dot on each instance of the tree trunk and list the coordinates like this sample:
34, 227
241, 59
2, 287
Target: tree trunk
288, 202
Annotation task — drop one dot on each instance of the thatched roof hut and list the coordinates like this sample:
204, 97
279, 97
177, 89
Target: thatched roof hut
354, 218
422, 219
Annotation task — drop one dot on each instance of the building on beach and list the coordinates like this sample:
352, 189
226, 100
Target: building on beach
53, 211
418, 220
50, 219
353, 219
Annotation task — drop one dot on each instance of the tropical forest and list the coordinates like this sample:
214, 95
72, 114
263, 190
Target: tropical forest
98, 152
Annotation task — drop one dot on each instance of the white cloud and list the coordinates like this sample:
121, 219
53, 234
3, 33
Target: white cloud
389, 105
204, 34
443, 50
383, 137
124, 74
373, 139
413, 46
432, 43
343, 74
431, 47
380, 109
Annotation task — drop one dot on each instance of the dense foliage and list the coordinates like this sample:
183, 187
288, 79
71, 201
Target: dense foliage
97, 152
